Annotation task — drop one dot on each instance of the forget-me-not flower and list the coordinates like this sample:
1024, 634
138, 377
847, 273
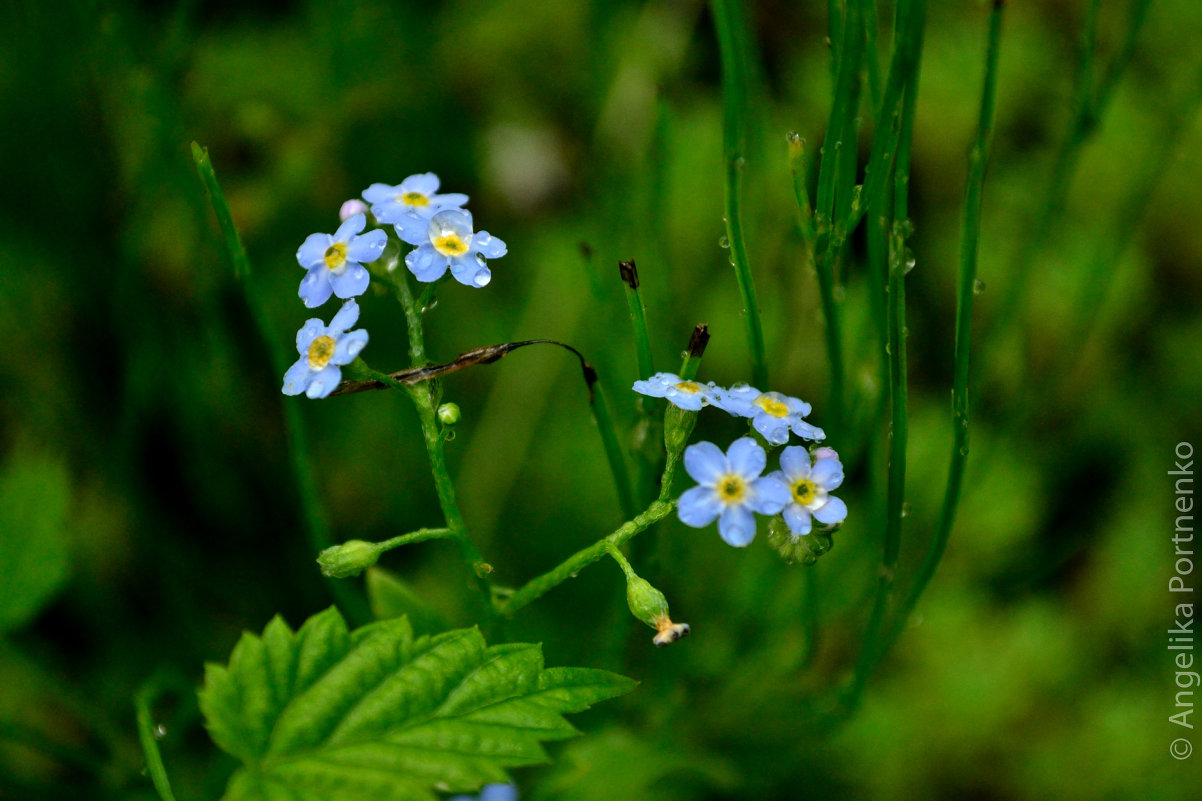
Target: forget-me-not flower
491, 792
410, 204
810, 486
729, 489
335, 263
323, 351
772, 414
688, 395
448, 242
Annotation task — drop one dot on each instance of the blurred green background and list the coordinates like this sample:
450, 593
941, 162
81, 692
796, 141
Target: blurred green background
148, 513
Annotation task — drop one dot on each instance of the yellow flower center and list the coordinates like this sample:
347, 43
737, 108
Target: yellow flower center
804, 491
771, 405
450, 244
731, 489
320, 352
335, 257
415, 199
691, 387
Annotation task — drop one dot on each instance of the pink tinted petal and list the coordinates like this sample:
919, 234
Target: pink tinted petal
704, 462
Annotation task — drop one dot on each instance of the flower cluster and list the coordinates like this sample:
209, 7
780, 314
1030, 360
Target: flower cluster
731, 487
442, 234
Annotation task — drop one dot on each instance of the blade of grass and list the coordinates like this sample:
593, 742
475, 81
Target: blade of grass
732, 42
313, 517
150, 746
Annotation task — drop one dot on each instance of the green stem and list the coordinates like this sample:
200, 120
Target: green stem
150, 746
425, 399
732, 43
316, 525
541, 585
638, 319
421, 535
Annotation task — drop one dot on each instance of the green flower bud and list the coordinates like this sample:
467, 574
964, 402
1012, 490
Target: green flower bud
448, 414
793, 548
678, 427
348, 559
650, 606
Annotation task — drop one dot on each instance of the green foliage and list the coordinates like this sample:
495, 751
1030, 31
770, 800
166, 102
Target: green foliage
377, 713
35, 493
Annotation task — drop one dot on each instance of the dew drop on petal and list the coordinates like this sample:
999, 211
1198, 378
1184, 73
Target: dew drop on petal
354, 348
481, 278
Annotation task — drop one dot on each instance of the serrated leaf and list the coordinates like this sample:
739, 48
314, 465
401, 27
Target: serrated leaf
329, 714
35, 493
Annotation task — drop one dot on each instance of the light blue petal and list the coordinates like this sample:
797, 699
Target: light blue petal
425, 264
308, 332
347, 316
350, 227
704, 462
797, 406
499, 792
773, 429
798, 519
380, 193
412, 229
367, 248
795, 462
388, 213
737, 526
470, 271
451, 200
352, 282
769, 496
831, 512
746, 457
315, 287
426, 183
324, 382
348, 347
736, 400
312, 252
489, 246
689, 401
698, 507
651, 388
827, 473
806, 431
296, 380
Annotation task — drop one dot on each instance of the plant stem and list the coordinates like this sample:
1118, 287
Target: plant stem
425, 398
638, 318
540, 585
421, 535
732, 43
150, 746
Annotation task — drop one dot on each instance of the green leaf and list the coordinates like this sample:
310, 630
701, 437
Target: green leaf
35, 494
329, 714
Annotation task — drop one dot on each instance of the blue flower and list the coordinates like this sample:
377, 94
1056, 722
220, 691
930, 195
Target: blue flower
323, 350
809, 487
772, 414
491, 792
335, 263
410, 205
448, 242
688, 395
730, 489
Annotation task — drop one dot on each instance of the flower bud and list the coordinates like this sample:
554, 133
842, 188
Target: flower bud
351, 208
448, 414
348, 559
650, 606
805, 548
678, 427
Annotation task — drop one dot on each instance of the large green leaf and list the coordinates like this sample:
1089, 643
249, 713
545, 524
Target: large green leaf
324, 714
35, 493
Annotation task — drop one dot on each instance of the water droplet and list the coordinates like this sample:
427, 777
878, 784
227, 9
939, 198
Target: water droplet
723, 243
909, 262
740, 162
978, 286
482, 277
448, 435
905, 227
905, 510
888, 350
964, 450
160, 731
793, 137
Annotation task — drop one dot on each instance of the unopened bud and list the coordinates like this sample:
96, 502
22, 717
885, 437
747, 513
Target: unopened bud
825, 453
804, 548
650, 606
448, 414
351, 208
678, 427
348, 559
